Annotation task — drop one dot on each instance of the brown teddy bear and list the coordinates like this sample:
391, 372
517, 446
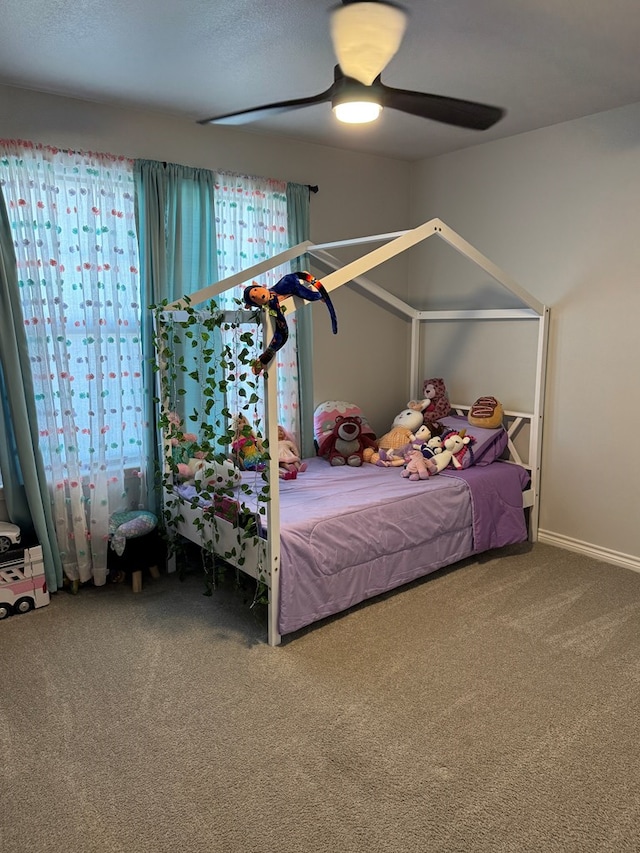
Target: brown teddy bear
346, 443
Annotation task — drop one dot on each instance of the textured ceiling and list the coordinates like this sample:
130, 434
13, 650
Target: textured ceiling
544, 61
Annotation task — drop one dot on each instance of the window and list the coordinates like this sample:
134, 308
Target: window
73, 220
251, 221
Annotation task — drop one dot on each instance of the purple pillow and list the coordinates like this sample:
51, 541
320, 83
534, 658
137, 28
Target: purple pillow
488, 446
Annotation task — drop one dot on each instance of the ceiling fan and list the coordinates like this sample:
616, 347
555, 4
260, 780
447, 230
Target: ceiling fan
366, 35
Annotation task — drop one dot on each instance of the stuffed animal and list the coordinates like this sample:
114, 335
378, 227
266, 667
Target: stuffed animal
289, 461
175, 433
209, 472
486, 412
442, 459
435, 403
418, 467
325, 414
247, 448
187, 470
432, 447
420, 436
217, 475
403, 427
458, 443
301, 284
435, 444
181, 442
346, 443
184, 448
417, 441
453, 445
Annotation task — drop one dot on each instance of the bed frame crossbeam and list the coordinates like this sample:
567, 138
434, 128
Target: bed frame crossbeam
399, 242
248, 274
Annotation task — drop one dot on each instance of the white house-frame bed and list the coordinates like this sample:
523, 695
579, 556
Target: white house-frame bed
264, 559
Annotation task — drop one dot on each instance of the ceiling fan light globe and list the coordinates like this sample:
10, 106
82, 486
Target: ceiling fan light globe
357, 112
366, 36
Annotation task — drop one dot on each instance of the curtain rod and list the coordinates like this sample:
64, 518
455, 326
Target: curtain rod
311, 187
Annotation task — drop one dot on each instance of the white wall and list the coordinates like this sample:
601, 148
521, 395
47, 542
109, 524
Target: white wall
359, 195
559, 210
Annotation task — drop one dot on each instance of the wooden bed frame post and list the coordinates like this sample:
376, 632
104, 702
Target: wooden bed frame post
273, 504
415, 386
535, 455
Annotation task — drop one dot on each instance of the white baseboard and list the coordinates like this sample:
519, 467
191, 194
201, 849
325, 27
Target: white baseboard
626, 561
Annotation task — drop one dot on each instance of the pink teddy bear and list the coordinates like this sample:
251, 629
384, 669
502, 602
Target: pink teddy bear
418, 467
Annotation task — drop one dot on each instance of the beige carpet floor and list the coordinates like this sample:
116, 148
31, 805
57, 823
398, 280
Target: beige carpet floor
494, 707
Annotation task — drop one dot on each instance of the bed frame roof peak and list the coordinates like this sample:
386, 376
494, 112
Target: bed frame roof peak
393, 244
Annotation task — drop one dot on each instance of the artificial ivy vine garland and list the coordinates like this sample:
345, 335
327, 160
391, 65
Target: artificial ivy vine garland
213, 350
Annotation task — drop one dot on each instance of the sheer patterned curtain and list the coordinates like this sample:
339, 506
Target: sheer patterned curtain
24, 485
73, 220
252, 224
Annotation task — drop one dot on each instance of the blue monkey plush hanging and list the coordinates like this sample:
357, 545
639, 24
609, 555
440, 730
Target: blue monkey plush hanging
292, 284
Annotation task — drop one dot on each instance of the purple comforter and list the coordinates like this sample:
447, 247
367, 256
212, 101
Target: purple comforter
347, 534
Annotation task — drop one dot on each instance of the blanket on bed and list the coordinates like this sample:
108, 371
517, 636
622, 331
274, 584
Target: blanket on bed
347, 534
496, 501
350, 534
325, 493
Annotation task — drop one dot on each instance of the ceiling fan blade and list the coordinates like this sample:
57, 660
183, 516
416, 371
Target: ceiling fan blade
366, 36
257, 113
467, 114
